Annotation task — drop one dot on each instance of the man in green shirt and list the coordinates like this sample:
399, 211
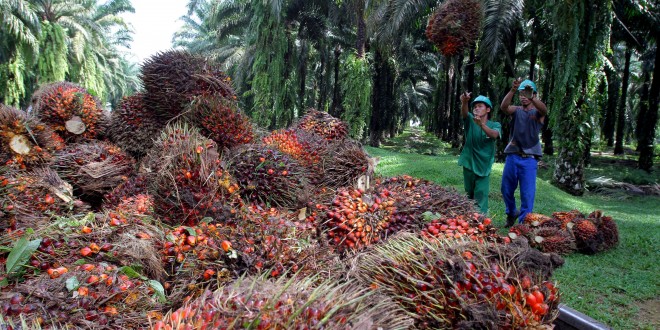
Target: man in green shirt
478, 154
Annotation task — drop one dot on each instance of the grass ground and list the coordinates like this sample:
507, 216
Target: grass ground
620, 287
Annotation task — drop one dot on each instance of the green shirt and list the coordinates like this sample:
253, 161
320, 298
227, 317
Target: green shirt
478, 154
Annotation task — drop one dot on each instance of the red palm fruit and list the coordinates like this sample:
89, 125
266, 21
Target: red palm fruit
323, 125
134, 127
25, 141
221, 120
455, 25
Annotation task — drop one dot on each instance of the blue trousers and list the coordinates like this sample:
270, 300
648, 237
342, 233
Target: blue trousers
519, 170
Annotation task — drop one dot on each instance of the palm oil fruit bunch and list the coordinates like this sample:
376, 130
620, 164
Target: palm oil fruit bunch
536, 219
187, 178
607, 227
267, 175
88, 293
173, 78
357, 219
587, 237
566, 217
133, 126
221, 120
135, 185
288, 142
69, 110
344, 163
459, 284
30, 199
258, 303
455, 25
475, 227
324, 125
551, 240
25, 142
93, 168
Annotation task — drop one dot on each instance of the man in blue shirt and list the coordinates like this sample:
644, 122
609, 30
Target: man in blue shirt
523, 150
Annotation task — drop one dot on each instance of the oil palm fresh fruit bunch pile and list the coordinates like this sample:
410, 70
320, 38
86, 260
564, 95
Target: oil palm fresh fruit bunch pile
344, 163
172, 79
549, 239
186, 177
323, 124
133, 126
220, 120
567, 216
293, 144
455, 25
462, 285
24, 141
607, 228
587, 237
536, 219
93, 168
258, 303
31, 199
69, 110
267, 175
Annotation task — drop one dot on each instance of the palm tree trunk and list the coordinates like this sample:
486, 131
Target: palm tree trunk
621, 116
469, 70
336, 109
456, 103
382, 98
546, 131
361, 30
302, 69
651, 119
613, 88
444, 124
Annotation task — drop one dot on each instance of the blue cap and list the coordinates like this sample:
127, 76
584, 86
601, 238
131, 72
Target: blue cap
482, 99
527, 83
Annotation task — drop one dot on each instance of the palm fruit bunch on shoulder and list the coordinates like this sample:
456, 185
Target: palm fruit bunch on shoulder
357, 219
566, 217
475, 227
418, 196
259, 303
344, 163
187, 177
460, 284
587, 236
31, 199
323, 124
25, 142
69, 110
133, 127
75, 296
93, 168
607, 228
455, 25
173, 78
221, 120
267, 175
552, 240
135, 185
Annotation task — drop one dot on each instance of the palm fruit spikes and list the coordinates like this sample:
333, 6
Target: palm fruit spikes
220, 120
69, 110
323, 124
257, 303
187, 178
93, 168
344, 163
133, 127
25, 142
455, 25
461, 285
173, 78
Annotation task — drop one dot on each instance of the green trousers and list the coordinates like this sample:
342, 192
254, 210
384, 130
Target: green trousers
476, 188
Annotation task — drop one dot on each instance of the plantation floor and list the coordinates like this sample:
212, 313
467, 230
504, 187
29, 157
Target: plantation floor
618, 287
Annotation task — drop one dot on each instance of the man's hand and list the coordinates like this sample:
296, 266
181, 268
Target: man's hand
481, 120
465, 97
516, 84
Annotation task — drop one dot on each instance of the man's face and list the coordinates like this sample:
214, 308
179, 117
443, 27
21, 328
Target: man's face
523, 99
480, 109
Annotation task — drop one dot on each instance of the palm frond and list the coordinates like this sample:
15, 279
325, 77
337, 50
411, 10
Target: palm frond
500, 17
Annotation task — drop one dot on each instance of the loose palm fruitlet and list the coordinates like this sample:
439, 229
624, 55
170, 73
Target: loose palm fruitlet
133, 127
220, 120
455, 25
93, 168
69, 110
186, 177
89, 295
24, 141
173, 78
264, 174
258, 303
475, 227
28, 200
461, 285
323, 124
